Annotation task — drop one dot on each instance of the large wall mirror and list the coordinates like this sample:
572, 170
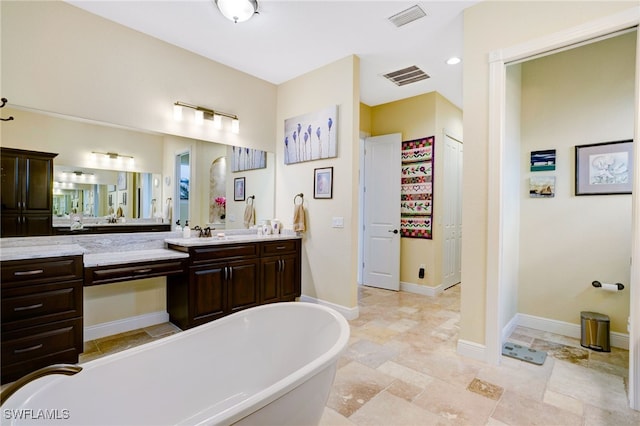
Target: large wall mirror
108, 173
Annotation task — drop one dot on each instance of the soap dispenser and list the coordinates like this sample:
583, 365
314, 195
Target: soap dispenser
186, 231
178, 227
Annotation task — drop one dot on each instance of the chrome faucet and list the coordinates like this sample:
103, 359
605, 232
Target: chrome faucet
66, 369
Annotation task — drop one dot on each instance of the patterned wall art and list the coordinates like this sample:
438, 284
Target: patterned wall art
311, 136
247, 159
416, 205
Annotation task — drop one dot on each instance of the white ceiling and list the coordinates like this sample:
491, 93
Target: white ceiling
289, 38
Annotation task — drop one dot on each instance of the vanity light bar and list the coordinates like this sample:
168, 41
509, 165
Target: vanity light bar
202, 113
112, 155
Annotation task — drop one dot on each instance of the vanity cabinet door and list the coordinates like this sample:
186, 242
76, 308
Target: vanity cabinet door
243, 286
280, 278
207, 293
290, 287
269, 276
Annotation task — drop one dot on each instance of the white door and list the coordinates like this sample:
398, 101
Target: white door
381, 211
452, 212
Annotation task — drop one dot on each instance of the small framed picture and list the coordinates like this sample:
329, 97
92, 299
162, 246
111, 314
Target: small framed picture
604, 168
238, 189
543, 160
323, 182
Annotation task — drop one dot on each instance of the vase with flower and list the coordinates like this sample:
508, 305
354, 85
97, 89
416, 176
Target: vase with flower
221, 204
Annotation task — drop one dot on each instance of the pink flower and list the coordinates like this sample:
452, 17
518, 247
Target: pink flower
221, 201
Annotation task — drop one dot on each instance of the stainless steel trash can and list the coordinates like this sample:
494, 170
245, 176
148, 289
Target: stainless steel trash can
595, 331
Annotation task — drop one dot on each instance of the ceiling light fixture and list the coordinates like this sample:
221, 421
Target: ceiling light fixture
237, 10
454, 60
202, 113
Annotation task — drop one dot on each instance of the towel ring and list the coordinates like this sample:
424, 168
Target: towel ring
252, 198
301, 195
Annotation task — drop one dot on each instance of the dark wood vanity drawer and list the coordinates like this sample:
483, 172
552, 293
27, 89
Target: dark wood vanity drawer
41, 270
31, 348
132, 271
222, 252
279, 247
29, 305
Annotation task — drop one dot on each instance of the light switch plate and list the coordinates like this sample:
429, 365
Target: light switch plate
337, 222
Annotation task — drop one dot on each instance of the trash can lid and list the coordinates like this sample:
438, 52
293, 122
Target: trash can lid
594, 316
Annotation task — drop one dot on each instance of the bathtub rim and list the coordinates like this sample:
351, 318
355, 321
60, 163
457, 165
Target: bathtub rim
208, 415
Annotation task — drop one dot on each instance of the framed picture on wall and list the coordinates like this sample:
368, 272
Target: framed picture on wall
604, 168
122, 181
238, 189
323, 183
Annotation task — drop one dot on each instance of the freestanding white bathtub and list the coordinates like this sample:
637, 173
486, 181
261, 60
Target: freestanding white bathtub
269, 365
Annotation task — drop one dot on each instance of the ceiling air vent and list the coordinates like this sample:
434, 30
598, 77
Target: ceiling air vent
406, 76
406, 16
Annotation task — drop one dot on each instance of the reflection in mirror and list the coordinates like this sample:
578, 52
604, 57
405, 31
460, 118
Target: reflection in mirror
95, 193
218, 193
183, 172
154, 154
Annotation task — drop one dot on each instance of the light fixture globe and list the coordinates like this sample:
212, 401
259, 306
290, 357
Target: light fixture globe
237, 10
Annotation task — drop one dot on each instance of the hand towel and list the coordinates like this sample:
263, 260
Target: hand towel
249, 216
299, 218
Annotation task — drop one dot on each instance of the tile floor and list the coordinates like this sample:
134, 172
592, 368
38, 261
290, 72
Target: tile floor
401, 368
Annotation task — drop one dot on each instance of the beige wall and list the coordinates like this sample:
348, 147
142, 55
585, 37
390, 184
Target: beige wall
329, 254
489, 26
417, 117
580, 96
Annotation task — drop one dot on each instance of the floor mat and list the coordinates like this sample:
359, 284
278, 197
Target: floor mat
523, 353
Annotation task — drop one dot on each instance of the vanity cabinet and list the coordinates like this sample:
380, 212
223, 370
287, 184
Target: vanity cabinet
220, 280
280, 271
27, 191
225, 278
41, 313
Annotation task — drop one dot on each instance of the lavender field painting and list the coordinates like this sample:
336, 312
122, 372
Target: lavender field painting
247, 159
311, 136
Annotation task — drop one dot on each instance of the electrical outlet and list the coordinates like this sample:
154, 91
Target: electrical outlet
421, 272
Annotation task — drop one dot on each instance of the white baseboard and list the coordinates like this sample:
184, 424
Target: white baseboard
508, 329
97, 331
348, 313
472, 350
421, 289
618, 340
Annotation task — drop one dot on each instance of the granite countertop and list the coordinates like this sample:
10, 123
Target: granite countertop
228, 239
124, 257
40, 251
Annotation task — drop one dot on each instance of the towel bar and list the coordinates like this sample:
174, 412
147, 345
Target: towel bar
301, 195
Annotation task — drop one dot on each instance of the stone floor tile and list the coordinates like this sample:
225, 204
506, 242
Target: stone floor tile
354, 385
455, 404
590, 386
514, 409
370, 353
405, 374
565, 402
595, 416
486, 389
389, 410
332, 418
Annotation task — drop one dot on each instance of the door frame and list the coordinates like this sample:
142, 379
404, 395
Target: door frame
497, 172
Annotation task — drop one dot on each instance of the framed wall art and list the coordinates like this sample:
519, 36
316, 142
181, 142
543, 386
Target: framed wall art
238, 189
311, 136
416, 192
604, 168
323, 182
